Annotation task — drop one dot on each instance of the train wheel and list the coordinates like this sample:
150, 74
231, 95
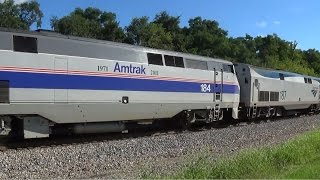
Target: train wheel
16, 133
187, 119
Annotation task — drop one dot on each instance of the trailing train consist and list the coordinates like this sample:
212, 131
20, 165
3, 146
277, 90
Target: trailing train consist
51, 83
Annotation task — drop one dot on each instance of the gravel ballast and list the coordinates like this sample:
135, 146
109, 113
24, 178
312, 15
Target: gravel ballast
129, 158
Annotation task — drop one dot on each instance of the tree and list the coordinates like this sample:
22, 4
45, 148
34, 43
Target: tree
30, 13
171, 25
206, 38
110, 28
156, 37
243, 49
312, 56
91, 23
202, 36
136, 31
142, 32
21, 16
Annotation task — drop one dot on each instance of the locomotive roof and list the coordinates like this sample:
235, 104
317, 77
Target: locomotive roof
281, 71
52, 34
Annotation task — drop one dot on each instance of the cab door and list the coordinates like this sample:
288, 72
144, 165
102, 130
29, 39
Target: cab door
218, 85
217, 77
255, 90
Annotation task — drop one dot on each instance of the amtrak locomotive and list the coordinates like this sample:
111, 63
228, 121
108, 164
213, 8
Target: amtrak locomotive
51, 83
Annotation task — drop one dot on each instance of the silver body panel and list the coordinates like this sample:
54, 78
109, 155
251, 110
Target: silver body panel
79, 105
294, 93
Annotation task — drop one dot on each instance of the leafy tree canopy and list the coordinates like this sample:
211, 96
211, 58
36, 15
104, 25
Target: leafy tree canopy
202, 36
91, 23
20, 16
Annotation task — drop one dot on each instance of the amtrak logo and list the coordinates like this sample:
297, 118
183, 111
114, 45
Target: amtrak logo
314, 92
129, 69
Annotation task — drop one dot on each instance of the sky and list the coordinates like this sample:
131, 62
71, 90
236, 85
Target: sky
292, 20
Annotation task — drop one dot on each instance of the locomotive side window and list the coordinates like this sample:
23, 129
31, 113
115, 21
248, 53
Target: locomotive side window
169, 60
307, 80
179, 62
173, 61
194, 64
25, 44
155, 59
4, 91
232, 68
228, 68
281, 76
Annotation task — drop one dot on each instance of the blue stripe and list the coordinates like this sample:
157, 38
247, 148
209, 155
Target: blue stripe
63, 81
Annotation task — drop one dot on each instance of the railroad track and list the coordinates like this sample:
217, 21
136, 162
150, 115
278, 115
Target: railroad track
139, 132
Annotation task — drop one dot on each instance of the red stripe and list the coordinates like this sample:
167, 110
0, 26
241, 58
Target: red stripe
104, 74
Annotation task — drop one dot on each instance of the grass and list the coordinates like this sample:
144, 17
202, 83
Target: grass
298, 158
310, 170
